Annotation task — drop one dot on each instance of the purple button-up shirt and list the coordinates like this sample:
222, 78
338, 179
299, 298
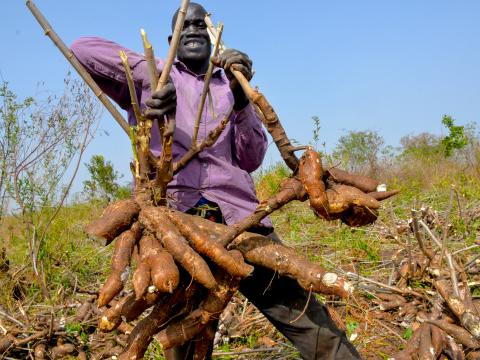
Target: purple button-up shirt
219, 173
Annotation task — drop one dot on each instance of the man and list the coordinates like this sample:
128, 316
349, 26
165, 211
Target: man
217, 183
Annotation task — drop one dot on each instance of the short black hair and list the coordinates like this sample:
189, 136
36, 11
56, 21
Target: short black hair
192, 4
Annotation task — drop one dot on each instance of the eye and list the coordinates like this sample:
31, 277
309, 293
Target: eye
201, 24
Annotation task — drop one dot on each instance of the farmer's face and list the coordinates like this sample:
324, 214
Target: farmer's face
194, 47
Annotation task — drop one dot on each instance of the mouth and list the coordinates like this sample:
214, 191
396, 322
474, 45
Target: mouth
194, 43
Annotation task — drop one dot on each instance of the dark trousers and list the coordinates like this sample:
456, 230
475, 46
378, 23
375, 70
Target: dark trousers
282, 300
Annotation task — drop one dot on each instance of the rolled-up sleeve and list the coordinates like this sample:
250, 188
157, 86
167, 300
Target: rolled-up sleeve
101, 59
249, 138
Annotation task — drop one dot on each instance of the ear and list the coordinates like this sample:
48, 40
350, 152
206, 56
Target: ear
169, 39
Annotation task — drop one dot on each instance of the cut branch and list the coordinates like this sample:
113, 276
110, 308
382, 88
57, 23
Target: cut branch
268, 116
418, 236
150, 57
206, 87
207, 142
131, 87
290, 189
143, 125
165, 166
452, 265
77, 65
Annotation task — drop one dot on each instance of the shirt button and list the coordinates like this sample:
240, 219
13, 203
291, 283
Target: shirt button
205, 165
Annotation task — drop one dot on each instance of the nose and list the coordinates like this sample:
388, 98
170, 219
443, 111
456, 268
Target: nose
190, 27
190, 32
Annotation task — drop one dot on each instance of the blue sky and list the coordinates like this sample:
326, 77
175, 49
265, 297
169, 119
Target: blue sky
391, 66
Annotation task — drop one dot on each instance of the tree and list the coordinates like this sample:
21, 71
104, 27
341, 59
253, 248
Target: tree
424, 145
42, 142
456, 139
359, 151
103, 180
429, 146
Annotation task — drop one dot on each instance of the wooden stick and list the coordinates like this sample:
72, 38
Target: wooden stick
207, 142
150, 57
445, 227
474, 246
269, 117
290, 189
453, 274
172, 51
452, 264
430, 233
249, 351
418, 236
164, 167
11, 318
212, 32
77, 66
206, 86
152, 71
133, 141
385, 286
131, 87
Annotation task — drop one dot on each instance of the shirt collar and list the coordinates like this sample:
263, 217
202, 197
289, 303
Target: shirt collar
217, 72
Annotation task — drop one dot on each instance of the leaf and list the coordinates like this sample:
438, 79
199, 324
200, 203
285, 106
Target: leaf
408, 333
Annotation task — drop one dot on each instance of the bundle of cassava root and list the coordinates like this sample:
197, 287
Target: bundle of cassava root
444, 315
188, 268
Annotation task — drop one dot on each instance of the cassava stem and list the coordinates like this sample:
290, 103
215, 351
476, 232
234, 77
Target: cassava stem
269, 118
143, 125
172, 51
152, 69
212, 32
133, 141
150, 57
165, 166
206, 86
207, 142
77, 66
131, 87
290, 189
